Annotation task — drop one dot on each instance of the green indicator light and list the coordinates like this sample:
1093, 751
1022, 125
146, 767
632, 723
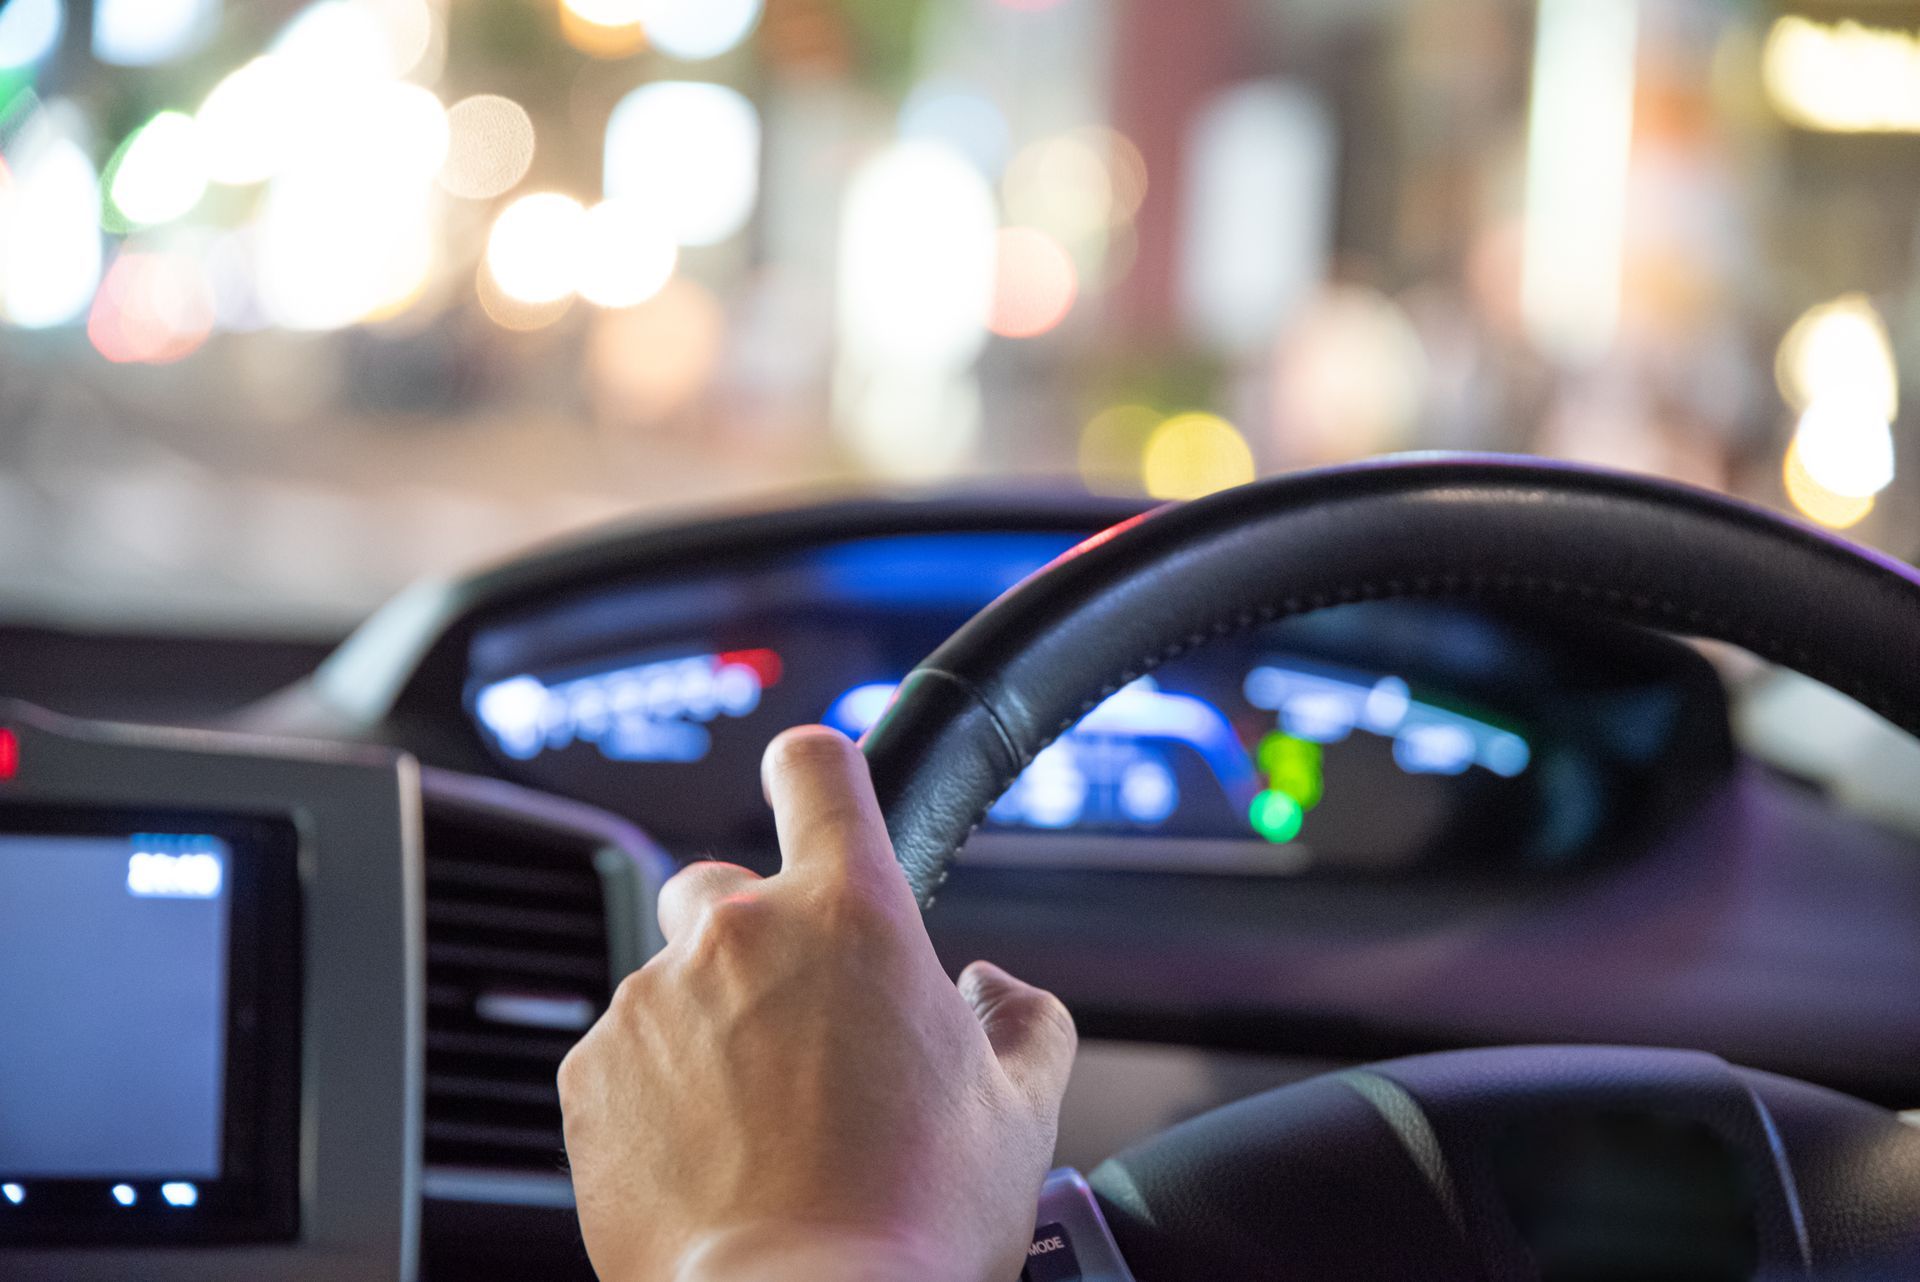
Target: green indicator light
1293, 766
1276, 816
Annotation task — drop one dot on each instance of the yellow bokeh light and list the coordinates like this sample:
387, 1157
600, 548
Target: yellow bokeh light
1194, 454
533, 253
603, 28
1839, 350
1816, 501
1111, 447
1843, 77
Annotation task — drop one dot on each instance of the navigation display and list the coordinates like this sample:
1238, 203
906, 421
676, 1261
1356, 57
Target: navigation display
113, 992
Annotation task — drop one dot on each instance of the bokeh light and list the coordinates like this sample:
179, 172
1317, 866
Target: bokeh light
906, 422
341, 40
29, 30
1350, 374
153, 308
692, 151
243, 122
1194, 454
1816, 501
1843, 77
649, 362
959, 117
603, 28
693, 30
489, 147
332, 252
1845, 447
142, 33
625, 256
917, 241
534, 251
1035, 283
513, 314
1112, 445
1061, 185
1839, 349
159, 173
49, 228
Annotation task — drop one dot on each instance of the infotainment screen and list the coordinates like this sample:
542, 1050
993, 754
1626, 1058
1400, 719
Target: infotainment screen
148, 997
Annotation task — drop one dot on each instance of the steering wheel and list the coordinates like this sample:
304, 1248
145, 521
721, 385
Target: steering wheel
1523, 1162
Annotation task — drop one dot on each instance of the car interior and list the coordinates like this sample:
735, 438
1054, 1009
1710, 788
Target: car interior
1361, 544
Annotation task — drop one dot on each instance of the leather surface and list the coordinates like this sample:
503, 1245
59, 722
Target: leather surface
1392, 1172
1518, 532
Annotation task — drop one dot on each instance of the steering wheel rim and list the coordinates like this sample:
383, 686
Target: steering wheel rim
1023, 671
1392, 1169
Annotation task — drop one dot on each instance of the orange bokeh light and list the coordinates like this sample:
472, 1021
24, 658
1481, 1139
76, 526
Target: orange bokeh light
1034, 285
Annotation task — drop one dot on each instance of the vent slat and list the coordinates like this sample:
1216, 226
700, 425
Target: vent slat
512, 912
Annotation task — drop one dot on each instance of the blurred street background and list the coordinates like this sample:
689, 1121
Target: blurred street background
299, 301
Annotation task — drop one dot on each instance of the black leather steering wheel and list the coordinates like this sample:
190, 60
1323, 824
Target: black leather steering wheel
1470, 1164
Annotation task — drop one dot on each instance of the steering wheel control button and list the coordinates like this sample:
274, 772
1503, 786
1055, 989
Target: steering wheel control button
1071, 1242
1051, 1257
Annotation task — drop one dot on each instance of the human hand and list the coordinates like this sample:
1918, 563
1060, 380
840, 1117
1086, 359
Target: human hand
792, 1088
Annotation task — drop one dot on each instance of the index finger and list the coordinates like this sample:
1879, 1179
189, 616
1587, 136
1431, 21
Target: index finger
824, 809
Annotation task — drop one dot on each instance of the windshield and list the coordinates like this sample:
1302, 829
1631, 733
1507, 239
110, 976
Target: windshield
301, 301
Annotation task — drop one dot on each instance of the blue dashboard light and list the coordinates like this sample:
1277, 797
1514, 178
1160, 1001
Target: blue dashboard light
180, 1193
124, 1194
14, 1193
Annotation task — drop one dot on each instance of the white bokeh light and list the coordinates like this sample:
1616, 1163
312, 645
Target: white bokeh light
29, 30
162, 173
49, 229
692, 152
693, 30
534, 253
141, 33
626, 257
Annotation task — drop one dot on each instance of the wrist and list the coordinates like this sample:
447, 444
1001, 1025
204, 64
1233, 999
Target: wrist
780, 1252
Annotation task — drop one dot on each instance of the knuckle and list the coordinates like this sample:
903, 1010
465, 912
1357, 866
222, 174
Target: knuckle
730, 926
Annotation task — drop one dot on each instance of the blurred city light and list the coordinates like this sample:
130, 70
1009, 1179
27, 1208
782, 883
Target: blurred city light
1845, 447
341, 40
1842, 77
29, 30
1062, 186
693, 30
512, 313
152, 308
1816, 501
1034, 283
159, 173
917, 240
625, 256
1257, 211
1350, 375
245, 122
1112, 445
49, 227
333, 251
142, 33
692, 152
908, 423
489, 147
534, 252
959, 117
604, 28
1579, 144
649, 362
1194, 454
1839, 349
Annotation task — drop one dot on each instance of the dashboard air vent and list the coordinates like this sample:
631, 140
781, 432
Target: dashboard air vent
519, 964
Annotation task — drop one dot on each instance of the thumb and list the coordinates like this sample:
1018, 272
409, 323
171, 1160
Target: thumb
1029, 1029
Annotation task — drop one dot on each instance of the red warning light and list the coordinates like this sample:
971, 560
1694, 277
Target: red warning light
9, 754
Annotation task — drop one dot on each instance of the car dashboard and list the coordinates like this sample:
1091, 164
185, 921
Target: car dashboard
1379, 828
